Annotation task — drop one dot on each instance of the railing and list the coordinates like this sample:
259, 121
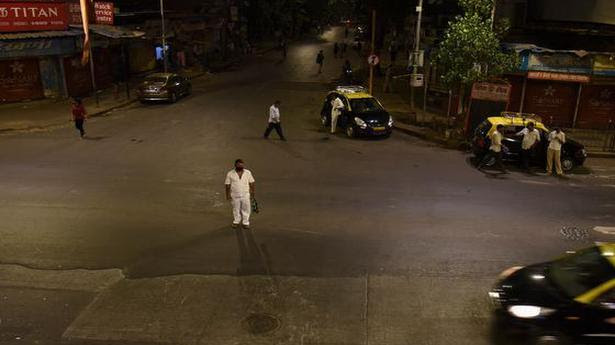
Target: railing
594, 139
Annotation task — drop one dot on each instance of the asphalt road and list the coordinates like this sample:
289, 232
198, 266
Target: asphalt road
125, 237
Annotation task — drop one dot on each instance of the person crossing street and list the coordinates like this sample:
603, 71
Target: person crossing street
240, 191
274, 121
495, 151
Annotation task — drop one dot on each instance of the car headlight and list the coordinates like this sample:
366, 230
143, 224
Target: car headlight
529, 311
360, 123
390, 121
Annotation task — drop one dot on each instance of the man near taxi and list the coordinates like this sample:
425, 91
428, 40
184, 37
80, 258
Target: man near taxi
531, 138
556, 139
495, 150
336, 110
239, 191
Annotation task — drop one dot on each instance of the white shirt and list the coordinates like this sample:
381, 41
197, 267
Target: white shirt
529, 138
240, 186
556, 140
496, 142
274, 114
336, 106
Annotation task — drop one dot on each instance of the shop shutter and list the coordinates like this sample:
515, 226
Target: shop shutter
20, 80
597, 107
78, 81
553, 101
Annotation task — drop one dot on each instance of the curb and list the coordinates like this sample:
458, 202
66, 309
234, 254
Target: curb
601, 154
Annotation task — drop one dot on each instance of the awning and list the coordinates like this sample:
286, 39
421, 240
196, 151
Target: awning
39, 34
112, 31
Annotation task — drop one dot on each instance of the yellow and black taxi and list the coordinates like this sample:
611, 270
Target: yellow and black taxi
363, 115
573, 153
570, 300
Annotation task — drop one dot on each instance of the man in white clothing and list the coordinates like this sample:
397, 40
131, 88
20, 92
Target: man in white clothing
336, 110
531, 138
274, 121
554, 154
240, 191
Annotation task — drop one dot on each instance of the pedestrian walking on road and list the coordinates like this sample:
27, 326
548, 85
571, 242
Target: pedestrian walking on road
284, 48
320, 59
336, 110
554, 154
336, 49
239, 185
79, 116
274, 121
495, 151
531, 138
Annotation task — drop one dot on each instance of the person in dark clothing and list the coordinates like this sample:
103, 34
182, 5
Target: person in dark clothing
320, 59
79, 115
336, 49
344, 48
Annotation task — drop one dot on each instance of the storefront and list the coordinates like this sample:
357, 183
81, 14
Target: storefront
570, 89
31, 64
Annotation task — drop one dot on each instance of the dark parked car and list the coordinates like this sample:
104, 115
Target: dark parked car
570, 300
164, 87
573, 153
363, 115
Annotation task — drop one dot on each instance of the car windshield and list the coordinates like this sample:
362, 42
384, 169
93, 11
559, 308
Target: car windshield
156, 79
581, 272
364, 105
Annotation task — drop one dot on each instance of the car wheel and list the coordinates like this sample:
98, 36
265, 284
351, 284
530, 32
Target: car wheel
489, 162
324, 121
567, 164
173, 97
350, 132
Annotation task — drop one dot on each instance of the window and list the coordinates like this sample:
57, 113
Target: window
365, 105
578, 273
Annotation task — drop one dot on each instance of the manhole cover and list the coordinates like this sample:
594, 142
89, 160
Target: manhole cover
260, 324
573, 233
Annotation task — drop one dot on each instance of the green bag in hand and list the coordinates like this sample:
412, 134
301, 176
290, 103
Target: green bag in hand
255, 206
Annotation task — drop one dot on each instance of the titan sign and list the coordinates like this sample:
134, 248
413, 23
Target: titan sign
31, 16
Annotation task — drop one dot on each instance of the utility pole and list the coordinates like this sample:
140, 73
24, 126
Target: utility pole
164, 39
373, 51
415, 57
495, 2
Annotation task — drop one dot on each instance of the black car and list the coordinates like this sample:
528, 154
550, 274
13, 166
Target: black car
570, 300
573, 153
164, 87
363, 115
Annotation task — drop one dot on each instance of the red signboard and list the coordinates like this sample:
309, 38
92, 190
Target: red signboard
491, 92
101, 13
575, 78
33, 16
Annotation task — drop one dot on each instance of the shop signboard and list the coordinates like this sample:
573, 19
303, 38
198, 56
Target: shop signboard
102, 12
20, 80
559, 62
495, 92
604, 65
33, 16
37, 47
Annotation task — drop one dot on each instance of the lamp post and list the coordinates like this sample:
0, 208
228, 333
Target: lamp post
164, 39
417, 39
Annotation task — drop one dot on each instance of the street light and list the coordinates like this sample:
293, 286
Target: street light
164, 38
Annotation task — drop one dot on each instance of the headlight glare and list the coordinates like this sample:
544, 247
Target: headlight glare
390, 121
529, 311
360, 123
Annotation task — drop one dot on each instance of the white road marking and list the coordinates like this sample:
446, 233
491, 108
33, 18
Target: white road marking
609, 230
536, 182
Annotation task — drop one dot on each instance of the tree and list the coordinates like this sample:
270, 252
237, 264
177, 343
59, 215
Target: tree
471, 50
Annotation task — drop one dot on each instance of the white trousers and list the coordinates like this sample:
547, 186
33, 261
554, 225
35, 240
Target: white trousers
241, 209
334, 116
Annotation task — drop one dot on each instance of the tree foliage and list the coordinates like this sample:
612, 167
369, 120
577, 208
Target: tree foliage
471, 50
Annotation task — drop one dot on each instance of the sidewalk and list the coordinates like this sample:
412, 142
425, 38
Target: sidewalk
46, 113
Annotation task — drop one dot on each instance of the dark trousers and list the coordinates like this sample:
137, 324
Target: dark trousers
526, 157
498, 160
79, 126
277, 127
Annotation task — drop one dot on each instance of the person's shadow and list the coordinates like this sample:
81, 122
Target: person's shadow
253, 259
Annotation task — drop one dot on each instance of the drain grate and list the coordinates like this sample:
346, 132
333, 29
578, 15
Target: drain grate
261, 324
574, 233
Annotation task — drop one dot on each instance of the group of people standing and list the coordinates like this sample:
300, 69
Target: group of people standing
530, 140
